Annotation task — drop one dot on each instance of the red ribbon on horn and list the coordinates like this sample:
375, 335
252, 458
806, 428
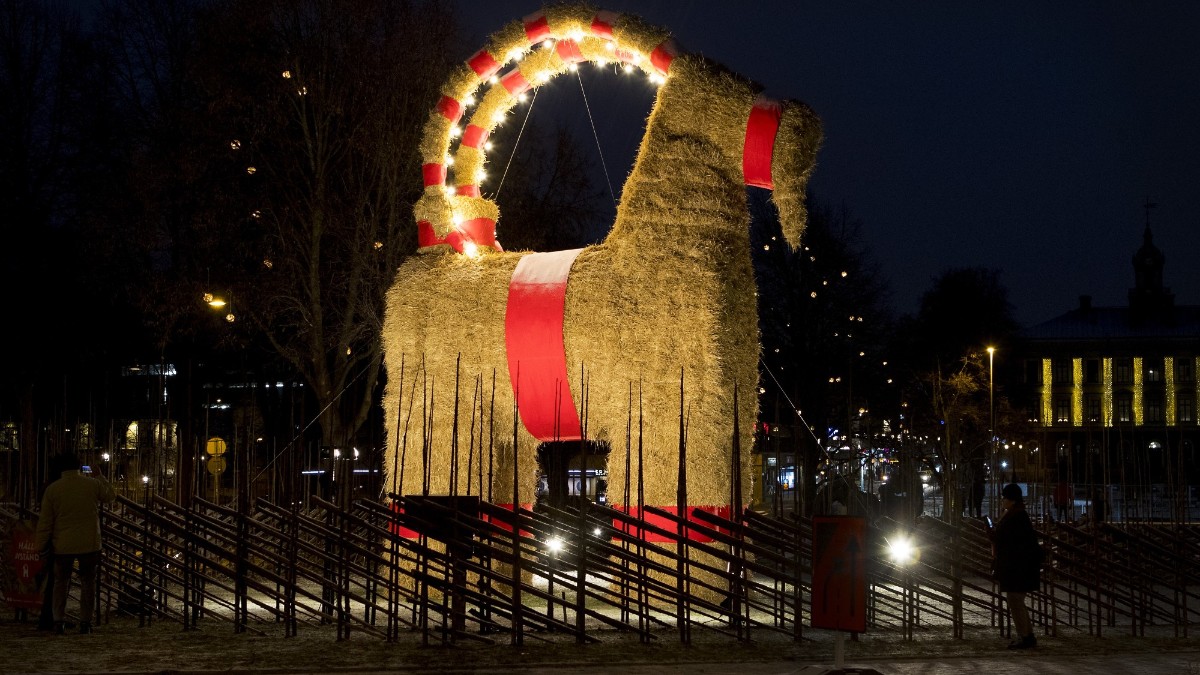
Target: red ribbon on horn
761, 129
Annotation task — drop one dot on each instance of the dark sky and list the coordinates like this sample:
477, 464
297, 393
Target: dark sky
1020, 135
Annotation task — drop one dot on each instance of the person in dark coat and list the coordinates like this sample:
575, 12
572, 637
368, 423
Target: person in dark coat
1018, 562
69, 526
46, 618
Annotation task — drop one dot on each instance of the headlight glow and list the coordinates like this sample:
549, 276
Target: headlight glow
901, 550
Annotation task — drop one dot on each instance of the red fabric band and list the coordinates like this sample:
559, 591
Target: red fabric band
759, 147
501, 524
483, 64
515, 82
536, 28
666, 524
602, 25
533, 335
629, 529
568, 51
450, 108
662, 55
433, 174
398, 529
506, 525
481, 231
475, 136
425, 234
467, 190
478, 231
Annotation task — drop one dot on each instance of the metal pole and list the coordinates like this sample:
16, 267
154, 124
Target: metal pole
992, 427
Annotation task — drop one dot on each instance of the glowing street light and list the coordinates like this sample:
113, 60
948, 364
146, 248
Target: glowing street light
217, 302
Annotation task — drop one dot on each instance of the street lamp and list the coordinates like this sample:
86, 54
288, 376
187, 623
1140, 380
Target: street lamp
992, 414
217, 302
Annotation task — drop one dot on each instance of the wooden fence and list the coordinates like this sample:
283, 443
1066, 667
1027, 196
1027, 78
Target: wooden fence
444, 570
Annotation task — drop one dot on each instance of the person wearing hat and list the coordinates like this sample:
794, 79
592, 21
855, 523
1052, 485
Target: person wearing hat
1017, 562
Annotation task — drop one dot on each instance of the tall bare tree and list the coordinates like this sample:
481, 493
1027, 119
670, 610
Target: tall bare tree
322, 103
953, 405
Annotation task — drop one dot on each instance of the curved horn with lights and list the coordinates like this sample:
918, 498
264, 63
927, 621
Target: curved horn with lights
541, 46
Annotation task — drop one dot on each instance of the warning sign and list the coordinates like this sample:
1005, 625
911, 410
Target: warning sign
839, 581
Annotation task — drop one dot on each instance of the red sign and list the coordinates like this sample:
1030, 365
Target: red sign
839, 581
23, 591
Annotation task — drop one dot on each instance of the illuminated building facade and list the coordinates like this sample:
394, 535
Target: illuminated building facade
1111, 392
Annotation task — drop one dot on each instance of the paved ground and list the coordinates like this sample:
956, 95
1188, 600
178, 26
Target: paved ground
123, 646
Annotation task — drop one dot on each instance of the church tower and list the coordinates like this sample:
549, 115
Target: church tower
1149, 300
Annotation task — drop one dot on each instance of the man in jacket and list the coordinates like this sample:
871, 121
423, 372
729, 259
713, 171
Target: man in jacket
1018, 562
69, 528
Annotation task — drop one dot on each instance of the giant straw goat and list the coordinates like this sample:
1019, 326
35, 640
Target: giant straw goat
669, 294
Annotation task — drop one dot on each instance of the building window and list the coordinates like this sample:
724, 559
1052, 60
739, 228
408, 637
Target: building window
1186, 409
1125, 408
1062, 372
1154, 370
1091, 371
1093, 408
1183, 368
1124, 371
1062, 409
1154, 409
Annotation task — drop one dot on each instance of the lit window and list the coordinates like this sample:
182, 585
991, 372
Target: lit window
1062, 410
1154, 370
1184, 368
1124, 371
1186, 410
1125, 408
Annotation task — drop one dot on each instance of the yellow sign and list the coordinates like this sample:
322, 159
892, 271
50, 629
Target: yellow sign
216, 465
215, 446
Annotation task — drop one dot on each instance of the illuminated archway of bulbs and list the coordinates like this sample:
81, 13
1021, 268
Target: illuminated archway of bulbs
451, 211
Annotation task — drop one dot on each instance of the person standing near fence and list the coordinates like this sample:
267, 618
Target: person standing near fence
1017, 562
69, 530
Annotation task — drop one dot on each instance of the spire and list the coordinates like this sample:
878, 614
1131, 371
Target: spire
1149, 298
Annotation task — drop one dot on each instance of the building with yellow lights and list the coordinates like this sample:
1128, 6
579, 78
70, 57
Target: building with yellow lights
1110, 393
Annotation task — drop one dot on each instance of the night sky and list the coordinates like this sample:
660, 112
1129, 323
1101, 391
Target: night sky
1022, 136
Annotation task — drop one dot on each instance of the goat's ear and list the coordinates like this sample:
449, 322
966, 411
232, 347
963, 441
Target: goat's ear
794, 156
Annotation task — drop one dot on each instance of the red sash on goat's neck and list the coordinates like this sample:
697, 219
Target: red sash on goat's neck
537, 357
